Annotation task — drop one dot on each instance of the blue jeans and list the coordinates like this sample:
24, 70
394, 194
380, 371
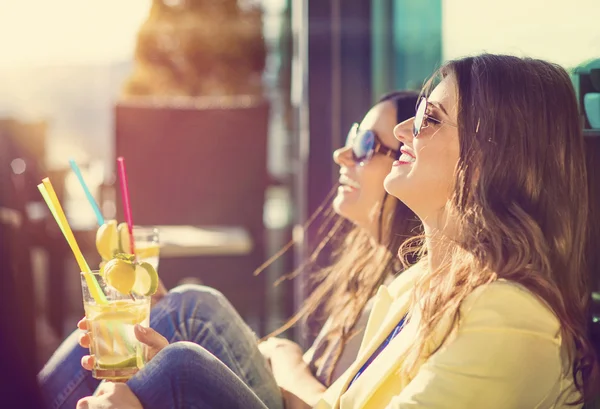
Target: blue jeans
192, 313
186, 376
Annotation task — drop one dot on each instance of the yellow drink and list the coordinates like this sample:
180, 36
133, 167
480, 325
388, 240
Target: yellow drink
118, 353
147, 247
148, 252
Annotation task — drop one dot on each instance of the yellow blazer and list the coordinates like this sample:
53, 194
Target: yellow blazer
505, 353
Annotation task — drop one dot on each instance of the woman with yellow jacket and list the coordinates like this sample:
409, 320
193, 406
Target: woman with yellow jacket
494, 313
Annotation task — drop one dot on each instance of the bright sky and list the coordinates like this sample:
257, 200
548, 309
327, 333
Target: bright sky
41, 32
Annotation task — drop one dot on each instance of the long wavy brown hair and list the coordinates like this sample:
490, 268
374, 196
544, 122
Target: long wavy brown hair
355, 264
520, 199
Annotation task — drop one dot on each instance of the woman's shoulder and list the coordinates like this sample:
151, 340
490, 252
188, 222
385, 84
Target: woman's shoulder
508, 305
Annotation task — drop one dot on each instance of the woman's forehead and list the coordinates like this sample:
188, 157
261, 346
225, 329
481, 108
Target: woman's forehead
376, 114
381, 118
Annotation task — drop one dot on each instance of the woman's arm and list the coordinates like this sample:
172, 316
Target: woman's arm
300, 388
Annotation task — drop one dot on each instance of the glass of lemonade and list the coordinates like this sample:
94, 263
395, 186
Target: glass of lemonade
147, 245
118, 353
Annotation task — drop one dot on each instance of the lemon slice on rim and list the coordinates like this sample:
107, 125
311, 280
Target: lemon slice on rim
146, 279
123, 239
120, 274
107, 239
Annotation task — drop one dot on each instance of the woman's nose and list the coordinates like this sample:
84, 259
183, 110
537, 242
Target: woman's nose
404, 131
343, 156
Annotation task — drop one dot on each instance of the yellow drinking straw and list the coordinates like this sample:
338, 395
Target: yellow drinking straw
44, 193
49, 195
51, 200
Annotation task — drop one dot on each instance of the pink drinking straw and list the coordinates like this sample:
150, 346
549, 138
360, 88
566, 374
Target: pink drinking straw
126, 202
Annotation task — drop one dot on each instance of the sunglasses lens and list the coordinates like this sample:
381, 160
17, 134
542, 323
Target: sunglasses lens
419, 116
363, 145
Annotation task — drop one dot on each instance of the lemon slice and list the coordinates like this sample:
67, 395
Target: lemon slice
146, 279
120, 274
107, 240
117, 362
124, 239
123, 317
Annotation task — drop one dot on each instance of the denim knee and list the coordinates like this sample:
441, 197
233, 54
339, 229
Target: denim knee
185, 375
200, 293
204, 300
184, 358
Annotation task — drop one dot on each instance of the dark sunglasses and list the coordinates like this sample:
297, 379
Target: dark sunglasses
366, 143
422, 119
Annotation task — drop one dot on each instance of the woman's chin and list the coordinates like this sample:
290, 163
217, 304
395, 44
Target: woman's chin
401, 188
393, 184
344, 206
338, 205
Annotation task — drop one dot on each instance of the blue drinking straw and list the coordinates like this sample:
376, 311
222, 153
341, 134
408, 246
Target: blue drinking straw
87, 192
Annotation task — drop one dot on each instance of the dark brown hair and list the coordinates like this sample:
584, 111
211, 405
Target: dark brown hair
356, 267
520, 199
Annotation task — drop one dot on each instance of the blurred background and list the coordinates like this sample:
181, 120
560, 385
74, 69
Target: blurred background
227, 112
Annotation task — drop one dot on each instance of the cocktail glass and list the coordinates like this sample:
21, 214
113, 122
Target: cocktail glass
118, 354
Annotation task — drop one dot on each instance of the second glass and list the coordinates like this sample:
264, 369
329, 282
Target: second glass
147, 245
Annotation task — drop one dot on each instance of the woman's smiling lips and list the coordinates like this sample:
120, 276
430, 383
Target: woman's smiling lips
407, 158
348, 184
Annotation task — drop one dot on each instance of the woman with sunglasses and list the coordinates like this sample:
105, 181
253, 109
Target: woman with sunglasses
494, 315
365, 227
